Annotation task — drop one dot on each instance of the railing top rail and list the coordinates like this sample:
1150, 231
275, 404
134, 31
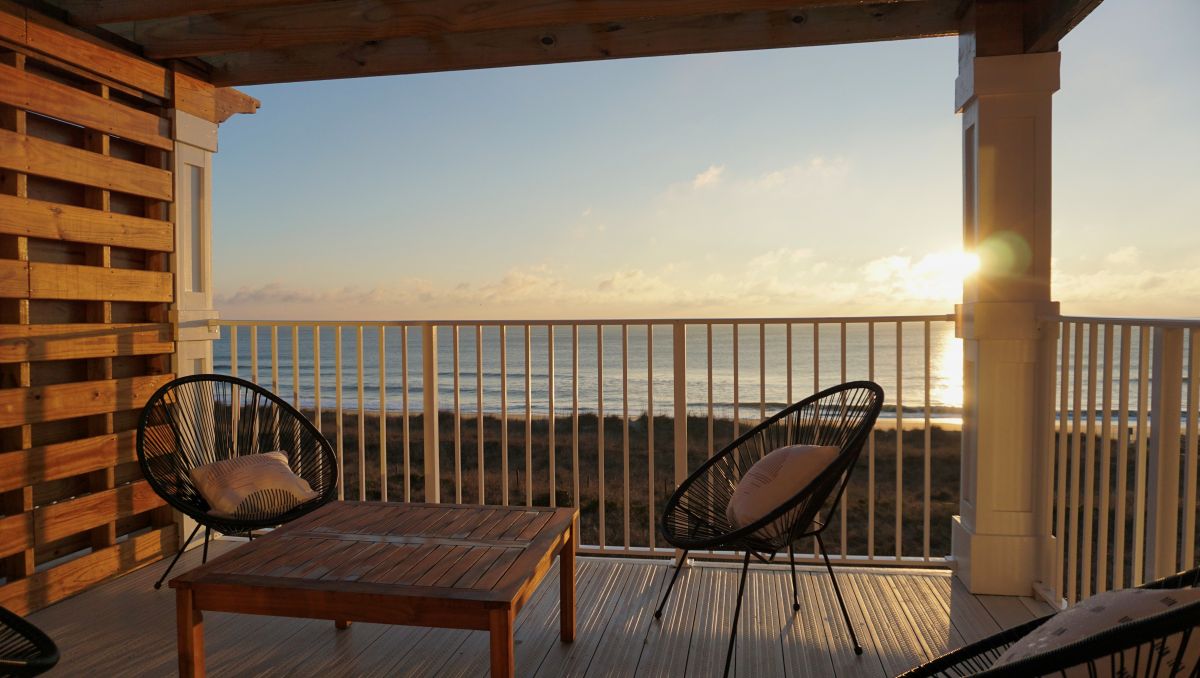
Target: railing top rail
1186, 323
596, 321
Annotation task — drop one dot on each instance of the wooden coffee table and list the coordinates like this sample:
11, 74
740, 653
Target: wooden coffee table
448, 566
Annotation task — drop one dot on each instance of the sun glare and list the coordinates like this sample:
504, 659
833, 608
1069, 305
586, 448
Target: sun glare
940, 276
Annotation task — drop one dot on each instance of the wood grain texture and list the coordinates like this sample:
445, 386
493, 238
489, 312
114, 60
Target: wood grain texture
49, 586
25, 343
588, 41
66, 281
14, 279
54, 221
344, 21
23, 153
64, 460
63, 519
37, 404
47, 97
43, 34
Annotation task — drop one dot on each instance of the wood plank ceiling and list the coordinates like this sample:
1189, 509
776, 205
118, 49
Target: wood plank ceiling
245, 42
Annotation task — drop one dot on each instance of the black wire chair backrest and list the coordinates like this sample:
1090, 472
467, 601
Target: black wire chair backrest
204, 418
841, 416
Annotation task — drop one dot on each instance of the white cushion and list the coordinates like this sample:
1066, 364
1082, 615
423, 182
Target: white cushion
227, 483
1101, 613
776, 478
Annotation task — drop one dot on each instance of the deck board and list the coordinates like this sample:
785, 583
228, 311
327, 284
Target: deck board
912, 613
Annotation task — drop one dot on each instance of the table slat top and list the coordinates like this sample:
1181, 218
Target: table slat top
448, 551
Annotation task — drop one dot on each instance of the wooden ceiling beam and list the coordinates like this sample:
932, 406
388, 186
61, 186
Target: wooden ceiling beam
592, 41
96, 12
342, 21
1048, 21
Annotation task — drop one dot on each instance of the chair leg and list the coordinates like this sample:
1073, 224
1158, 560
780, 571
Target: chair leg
795, 593
678, 567
737, 612
841, 602
207, 532
158, 584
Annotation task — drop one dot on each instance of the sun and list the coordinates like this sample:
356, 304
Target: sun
939, 276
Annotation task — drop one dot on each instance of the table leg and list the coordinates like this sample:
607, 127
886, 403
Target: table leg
341, 624
190, 628
501, 624
566, 584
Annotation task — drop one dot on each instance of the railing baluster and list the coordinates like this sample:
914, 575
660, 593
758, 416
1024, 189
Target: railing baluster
1089, 465
1122, 459
552, 480
575, 415
1105, 463
429, 412
871, 450
362, 413
927, 458
625, 427
274, 359
1192, 451
233, 351
296, 366
1143, 435
899, 440
254, 353
600, 452
1162, 518
503, 415
337, 399
709, 363
650, 434
458, 479
736, 384
528, 420
316, 343
479, 412
1076, 445
679, 401
383, 470
846, 492
405, 432
762, 371
1060, 529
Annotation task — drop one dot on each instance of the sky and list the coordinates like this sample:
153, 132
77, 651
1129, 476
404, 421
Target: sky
794, 182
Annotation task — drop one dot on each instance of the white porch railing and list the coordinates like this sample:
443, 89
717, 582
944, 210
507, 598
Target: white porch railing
1124, 453
520, 404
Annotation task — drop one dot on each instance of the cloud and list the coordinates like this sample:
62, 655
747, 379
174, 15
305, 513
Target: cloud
1125, 256
709, 177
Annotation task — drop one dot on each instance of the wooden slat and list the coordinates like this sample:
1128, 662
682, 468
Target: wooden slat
581, 42
66, 281
47, 97
52, 221
48, 586
65, 401
14, 278
66, 518
56, 161
64, 460
41, 33
21, 343
341, 21
16, 533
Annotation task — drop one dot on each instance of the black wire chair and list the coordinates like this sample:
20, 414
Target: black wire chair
694, 517
1132, 649
204, 418
24, 649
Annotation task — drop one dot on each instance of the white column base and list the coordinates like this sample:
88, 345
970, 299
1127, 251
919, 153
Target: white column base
994, 564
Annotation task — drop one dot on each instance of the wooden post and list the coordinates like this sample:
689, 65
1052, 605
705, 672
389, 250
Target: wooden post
566, 583
429, 389
190, 634
1162, 512
501, 627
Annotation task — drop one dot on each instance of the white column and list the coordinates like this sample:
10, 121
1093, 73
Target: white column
1005, 102
195, 144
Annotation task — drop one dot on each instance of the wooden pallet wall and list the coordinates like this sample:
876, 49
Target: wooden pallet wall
85, 287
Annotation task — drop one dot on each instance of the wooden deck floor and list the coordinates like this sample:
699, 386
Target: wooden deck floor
126, 628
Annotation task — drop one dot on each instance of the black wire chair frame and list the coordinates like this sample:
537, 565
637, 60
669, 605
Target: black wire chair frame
694, 517
24, 649
203, 418
1146, 638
